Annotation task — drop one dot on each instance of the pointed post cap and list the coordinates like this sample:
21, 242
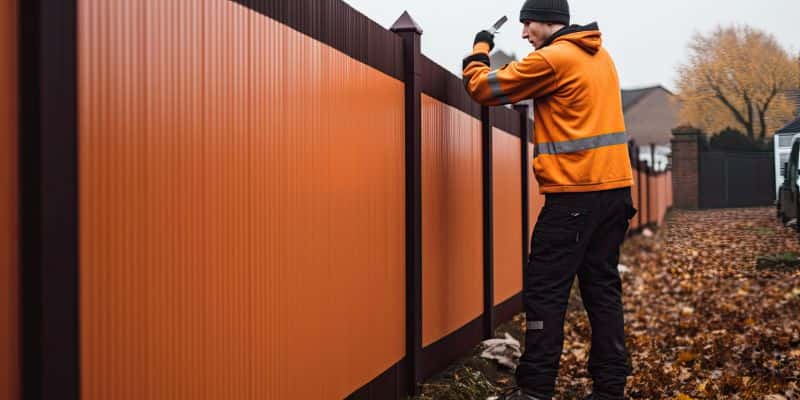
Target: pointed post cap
406, 24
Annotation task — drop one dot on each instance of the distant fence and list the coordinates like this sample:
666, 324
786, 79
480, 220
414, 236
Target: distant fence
736, 179
652, 192
252, 199
719, 179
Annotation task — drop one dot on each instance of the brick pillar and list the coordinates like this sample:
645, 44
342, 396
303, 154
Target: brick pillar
686, 167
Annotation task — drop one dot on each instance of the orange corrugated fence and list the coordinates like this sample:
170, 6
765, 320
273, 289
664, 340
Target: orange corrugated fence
451, 220
655, 192
242, 219
507, 222
244, 204
634, 222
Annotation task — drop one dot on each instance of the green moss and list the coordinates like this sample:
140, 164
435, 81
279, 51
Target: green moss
782, 261
464, 383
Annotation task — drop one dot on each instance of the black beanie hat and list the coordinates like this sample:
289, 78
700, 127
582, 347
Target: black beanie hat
553, 11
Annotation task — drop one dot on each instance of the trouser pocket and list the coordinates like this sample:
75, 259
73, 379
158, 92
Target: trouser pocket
560, 224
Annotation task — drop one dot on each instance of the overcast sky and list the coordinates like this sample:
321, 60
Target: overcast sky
646, 38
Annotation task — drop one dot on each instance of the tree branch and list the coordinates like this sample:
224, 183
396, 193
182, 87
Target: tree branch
762, 112
749, 103
772, 95
721, 97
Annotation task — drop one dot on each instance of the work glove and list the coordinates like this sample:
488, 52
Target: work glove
485, 37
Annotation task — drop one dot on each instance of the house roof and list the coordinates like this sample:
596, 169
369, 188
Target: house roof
631, 97
650, 114
793, 127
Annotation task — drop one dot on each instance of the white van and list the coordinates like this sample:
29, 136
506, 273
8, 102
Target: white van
783, 145
788, 203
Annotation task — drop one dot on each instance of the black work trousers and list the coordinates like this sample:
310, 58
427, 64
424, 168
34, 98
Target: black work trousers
576, 234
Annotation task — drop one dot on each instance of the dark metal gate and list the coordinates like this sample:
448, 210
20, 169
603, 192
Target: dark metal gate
736, 179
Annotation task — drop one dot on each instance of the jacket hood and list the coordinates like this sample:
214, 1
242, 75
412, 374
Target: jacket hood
587, 37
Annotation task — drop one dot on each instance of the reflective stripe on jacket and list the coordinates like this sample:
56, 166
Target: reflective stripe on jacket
579, 128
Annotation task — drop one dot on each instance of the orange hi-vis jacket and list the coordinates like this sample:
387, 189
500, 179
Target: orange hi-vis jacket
579, 129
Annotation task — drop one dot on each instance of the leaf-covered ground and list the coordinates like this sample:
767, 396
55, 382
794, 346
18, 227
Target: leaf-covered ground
712, 308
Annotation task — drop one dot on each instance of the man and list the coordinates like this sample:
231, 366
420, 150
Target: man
582, 165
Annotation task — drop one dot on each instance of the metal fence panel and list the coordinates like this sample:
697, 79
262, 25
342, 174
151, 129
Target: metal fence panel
736, 179
451, 219
507, 205
242, 207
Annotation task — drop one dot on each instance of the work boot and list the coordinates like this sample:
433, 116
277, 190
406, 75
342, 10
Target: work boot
516, 393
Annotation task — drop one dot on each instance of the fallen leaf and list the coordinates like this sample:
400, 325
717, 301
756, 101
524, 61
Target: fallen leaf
685, 357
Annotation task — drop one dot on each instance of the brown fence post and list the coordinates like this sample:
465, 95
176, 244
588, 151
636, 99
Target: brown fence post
488, 223
648, 173
49, 247
653, 156
657, 188
524, 131
411, 33
639, 191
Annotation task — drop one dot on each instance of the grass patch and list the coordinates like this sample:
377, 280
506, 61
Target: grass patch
779, 261
763, 230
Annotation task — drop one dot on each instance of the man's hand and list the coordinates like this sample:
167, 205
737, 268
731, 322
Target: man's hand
485, 37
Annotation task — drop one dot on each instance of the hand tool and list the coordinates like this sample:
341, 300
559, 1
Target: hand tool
497, 25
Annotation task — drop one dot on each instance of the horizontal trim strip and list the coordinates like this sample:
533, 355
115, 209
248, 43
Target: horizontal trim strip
497, 92
391, 384
506, 310
572, 146
446, 87
340, 26
442, 85
439, 355
506, 119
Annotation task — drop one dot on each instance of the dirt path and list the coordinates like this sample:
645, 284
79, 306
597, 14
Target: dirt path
702, 321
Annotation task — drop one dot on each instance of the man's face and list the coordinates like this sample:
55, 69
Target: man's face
535, 32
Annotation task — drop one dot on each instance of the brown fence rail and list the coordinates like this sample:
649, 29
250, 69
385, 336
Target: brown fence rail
263, 199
